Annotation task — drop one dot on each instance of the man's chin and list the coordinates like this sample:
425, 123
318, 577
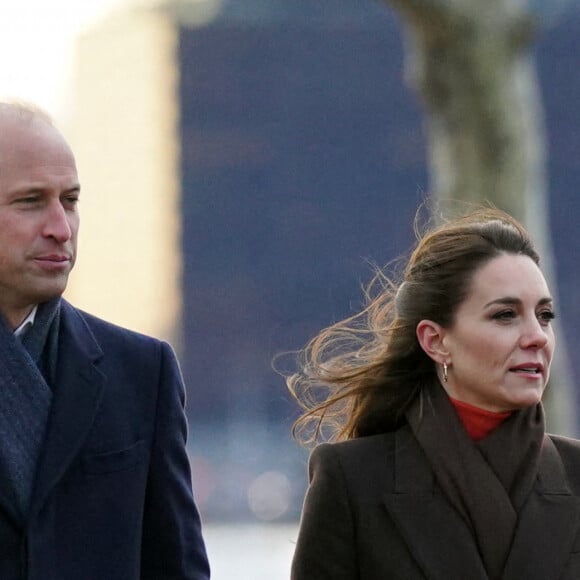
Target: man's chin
48, 292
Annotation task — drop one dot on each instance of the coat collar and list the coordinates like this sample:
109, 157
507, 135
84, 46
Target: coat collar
78, 389
437, 536
441, 541
548, 523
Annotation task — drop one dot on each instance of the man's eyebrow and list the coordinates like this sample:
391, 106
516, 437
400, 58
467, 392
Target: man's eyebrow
73, 189
40, 189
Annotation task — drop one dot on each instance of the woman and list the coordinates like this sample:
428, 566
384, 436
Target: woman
440, 468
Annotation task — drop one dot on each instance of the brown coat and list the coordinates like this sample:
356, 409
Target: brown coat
373, 511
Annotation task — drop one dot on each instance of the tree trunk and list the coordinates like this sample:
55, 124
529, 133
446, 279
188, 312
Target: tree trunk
471, 65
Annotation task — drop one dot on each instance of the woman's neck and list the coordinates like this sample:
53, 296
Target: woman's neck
478, 423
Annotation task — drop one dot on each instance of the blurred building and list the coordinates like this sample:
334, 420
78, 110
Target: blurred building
125, 134
243, 165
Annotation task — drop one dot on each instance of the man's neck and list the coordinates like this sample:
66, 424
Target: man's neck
16, 316
26, 324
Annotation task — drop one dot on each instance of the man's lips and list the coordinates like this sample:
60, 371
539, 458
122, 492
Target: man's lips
53, 262
53, 258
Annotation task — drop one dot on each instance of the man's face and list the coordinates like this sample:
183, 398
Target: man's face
39, 221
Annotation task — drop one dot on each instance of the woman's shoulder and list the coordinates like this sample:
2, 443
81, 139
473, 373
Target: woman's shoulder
368, 458
356, 447
566, 445
568, 450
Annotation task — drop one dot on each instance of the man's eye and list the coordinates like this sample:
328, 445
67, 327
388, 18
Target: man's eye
27, 200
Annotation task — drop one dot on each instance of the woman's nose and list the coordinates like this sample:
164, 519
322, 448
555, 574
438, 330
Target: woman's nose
534, 335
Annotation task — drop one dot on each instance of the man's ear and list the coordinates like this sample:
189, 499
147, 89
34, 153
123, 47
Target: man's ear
430, 336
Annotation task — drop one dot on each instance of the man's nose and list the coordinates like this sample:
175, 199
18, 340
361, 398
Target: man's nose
57, 224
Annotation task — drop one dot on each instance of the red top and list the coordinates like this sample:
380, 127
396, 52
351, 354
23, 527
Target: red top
478, 422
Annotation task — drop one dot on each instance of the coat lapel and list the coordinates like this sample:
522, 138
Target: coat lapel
9, 502
78, 390
548, 523
441, 542
437, 536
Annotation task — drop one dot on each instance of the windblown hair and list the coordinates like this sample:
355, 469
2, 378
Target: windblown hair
359, 376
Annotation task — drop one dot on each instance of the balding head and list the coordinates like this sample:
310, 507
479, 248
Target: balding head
18, 117
22, 111
39, 191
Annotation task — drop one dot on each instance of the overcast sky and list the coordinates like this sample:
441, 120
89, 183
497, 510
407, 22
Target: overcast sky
37, 41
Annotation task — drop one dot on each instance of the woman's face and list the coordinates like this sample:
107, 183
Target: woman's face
501, 343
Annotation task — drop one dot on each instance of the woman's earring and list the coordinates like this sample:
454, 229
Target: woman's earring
445, 376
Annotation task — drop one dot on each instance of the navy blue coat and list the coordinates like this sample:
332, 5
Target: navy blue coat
112, 498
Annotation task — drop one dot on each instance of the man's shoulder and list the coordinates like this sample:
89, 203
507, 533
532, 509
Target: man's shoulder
104, 329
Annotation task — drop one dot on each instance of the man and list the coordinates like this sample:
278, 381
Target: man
94, 477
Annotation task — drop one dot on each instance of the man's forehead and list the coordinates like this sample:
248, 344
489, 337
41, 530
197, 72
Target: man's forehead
31, 142
11, 122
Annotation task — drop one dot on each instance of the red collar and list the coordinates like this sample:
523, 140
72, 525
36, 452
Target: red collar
478, 422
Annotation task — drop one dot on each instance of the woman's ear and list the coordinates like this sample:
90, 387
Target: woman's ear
430, 336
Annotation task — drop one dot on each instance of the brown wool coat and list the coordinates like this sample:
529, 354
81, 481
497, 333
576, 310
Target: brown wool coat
373, 511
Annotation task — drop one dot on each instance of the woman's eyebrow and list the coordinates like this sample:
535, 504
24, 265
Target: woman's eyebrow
511, 301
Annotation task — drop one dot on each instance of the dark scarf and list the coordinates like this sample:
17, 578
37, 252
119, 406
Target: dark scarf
486, 482
27, 368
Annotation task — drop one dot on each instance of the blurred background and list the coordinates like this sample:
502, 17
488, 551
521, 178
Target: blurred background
244, 163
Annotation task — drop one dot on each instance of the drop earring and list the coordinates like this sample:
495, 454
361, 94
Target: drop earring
445, 376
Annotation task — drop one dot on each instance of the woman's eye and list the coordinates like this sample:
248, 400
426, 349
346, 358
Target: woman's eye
546, 316
504, 315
